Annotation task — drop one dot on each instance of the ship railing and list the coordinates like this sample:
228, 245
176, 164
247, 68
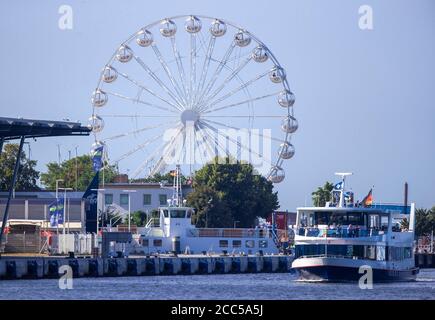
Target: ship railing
227, 233
152, 232
326, 255
339, 232
153, 223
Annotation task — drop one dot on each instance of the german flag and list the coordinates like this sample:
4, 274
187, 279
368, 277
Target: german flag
368, 199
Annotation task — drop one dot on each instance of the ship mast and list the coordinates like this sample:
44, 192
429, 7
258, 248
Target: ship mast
177, 196
343, 176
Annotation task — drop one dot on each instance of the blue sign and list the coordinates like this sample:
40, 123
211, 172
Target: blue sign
56, 210
97, 158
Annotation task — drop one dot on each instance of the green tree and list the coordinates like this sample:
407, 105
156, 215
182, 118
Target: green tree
27, 176
69, 170
424, 221
139, 218
236, 191
322, 194
158, 177
211, 209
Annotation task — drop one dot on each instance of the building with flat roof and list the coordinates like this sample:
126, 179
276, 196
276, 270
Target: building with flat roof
143, 196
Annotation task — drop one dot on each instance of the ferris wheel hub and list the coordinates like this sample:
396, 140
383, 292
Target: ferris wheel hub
189, 116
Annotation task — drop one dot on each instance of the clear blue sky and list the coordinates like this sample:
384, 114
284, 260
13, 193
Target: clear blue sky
364, 99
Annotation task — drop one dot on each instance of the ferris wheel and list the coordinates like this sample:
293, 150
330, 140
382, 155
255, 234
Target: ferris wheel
186, 89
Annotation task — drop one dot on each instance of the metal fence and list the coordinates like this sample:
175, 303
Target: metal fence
79, 243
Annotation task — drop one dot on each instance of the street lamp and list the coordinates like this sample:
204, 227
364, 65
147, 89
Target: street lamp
57, 202
63, 220
57, 187
100, 206
129, 207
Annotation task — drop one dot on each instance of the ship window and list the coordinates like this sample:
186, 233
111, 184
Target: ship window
408, 253
237, 243
307, 219
397, 253
262, 243
321, 217
178, 213
358, 251
339, 218
370, 252
355, 218
166, 213
223, 243
374, 221
189, 213
145, 242
157, 242
380, 253
250, 244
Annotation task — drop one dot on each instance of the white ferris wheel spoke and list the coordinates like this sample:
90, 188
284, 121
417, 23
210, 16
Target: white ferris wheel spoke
159, 82
199, 151
138, 84
242, 102
161, 162
229, 78
137, 100
180, 68
218, 70
241, 146
138, 147
233, 92
213, 134
205, 67
137, 116
208, 149
168, 73
192, 82
151, 157
250, 131
126, 134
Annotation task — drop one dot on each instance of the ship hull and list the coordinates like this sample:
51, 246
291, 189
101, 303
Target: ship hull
351, 274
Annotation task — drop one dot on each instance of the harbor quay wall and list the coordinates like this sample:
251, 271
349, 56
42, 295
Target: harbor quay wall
52, 267
425, 260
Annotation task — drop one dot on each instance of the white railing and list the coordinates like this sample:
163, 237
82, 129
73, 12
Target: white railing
227, 233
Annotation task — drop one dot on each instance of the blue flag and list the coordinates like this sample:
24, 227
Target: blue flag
91, 204
338, 186
97, 158
56, 209
53, 213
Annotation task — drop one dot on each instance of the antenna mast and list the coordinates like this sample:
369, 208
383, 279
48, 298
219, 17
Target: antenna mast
177, 196
343, 176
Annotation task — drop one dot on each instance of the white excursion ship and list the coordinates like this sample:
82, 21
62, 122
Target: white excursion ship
333, 242
173, 231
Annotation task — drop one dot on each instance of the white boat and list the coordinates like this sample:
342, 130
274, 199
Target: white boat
341, 241
173, 231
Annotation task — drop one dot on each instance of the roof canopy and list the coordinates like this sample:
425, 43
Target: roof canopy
12, 128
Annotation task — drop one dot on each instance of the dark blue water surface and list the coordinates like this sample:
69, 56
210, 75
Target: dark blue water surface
233, 286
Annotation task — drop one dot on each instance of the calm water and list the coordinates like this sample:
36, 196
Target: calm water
243, 286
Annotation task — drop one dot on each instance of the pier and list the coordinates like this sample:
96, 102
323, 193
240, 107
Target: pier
48, 267
425, 260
